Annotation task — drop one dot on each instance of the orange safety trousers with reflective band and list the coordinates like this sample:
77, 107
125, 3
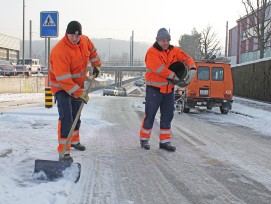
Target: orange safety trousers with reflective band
155, 100
145, 134
62, 141
68, 107
165, 135
75, 139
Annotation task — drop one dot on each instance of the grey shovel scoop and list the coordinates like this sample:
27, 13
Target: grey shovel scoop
53, 170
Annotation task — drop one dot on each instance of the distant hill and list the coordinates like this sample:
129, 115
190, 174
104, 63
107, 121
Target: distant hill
119, 49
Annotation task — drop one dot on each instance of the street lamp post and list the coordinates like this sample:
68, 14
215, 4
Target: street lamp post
109, 49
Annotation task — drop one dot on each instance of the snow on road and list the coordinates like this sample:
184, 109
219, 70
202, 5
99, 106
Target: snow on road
29, 133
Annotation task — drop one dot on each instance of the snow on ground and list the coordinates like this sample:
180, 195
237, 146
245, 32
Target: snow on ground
247, 113
23, 130
108, 77
22, 134
18, 97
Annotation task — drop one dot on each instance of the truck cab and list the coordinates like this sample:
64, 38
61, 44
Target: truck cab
211, 87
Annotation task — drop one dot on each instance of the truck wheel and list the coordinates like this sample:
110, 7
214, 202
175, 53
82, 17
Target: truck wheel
224, 110
186, 110
27, 74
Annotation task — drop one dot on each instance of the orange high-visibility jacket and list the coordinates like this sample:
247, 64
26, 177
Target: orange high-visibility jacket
157, 63
69, 65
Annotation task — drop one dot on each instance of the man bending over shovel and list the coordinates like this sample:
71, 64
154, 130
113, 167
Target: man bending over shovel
69, 60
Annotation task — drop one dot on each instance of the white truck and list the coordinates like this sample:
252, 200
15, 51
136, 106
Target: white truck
30, 66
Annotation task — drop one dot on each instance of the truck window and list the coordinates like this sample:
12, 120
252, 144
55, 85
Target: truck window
217, 74
26, 61
204, 73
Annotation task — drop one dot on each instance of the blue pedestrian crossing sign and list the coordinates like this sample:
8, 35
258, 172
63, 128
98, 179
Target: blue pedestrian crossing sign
48, 24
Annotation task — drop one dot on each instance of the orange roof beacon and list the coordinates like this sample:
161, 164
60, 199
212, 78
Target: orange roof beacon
211, 87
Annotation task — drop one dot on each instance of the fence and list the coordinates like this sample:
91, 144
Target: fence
253, 80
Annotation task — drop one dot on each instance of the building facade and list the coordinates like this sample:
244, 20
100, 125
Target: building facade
9, 48
244, 48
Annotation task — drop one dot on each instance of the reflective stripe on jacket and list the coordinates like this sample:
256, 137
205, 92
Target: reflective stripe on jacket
69, 65
157, 63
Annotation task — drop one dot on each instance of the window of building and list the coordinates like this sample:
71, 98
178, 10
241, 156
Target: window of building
3, 54
13, 56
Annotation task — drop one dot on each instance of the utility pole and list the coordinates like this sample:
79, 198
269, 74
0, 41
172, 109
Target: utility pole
226, 41
132, 49
109, 49
30, 39
23, 29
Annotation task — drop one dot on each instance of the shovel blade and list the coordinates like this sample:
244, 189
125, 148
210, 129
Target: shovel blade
56, 169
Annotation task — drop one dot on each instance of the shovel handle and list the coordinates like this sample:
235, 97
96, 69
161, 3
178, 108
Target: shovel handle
75, 122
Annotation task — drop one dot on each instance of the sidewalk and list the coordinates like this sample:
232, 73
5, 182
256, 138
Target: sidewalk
11, 101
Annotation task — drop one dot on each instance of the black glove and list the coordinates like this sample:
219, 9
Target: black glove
177, 81
96, 71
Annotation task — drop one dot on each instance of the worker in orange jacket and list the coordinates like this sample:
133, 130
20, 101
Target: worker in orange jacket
160, 82
69, 60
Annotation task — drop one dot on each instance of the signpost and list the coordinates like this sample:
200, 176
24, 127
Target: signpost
48, 29
48, 24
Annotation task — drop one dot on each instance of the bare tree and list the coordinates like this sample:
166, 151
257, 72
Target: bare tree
201, 45
191, 44
210, 45
257, 28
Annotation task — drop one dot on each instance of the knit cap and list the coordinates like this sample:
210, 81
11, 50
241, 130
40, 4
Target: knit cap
74, 27
162, 34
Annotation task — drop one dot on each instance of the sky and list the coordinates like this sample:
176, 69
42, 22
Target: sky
17, 153
117, 19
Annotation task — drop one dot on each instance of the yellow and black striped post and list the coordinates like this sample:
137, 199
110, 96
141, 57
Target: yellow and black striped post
48, 98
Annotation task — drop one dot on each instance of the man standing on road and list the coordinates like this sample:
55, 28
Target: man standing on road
160, 82
69, 60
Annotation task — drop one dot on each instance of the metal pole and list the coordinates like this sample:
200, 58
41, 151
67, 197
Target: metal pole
45, 53
131, 50
30, 39
23, 28
109, 50
132, 59
48, 61
226, 41
116, 78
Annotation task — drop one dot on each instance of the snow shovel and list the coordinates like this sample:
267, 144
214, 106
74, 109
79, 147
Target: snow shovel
51, 170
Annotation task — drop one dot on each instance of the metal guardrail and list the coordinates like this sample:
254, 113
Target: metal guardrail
104, 69
21, 73
124, 68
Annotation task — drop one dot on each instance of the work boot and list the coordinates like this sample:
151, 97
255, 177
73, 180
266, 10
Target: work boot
145, 144
66, 158
79, 147
167, 146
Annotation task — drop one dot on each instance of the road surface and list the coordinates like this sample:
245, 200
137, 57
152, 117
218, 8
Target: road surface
213, 163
